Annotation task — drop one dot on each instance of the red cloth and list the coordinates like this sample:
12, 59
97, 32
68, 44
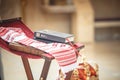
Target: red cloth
63, 53
27, 31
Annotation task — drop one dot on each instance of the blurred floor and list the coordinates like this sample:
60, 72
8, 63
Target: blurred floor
107, 56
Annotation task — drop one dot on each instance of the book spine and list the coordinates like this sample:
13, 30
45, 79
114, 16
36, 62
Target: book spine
49, 37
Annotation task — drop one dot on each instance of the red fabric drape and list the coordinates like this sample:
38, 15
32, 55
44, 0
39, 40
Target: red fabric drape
27, 31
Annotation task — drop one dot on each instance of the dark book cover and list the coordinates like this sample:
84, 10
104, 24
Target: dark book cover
49, 41
44, 40
54, 36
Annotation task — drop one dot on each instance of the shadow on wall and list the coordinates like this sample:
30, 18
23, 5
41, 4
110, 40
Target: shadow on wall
107, 34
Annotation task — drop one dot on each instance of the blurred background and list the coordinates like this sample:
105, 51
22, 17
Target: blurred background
95, 23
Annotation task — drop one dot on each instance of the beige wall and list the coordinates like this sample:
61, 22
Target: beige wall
37, 19
103, 8
83, 21
106, 8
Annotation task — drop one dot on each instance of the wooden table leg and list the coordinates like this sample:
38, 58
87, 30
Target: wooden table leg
45, 69
27, 68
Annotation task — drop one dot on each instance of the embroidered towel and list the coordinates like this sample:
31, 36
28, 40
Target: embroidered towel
63, 53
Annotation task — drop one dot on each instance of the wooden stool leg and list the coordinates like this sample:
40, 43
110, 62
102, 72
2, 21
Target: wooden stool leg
27, 68
45, 69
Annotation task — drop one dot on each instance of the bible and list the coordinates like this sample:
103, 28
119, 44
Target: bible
54, 36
